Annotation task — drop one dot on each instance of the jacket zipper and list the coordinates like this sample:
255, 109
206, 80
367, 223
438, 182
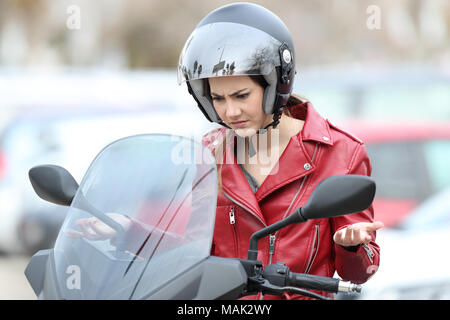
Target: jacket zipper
272, 237
369, 251
232, 218
233, 225
314, 249
272, 240
244, 207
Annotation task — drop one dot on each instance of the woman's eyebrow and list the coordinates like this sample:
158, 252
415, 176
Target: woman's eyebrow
231, 95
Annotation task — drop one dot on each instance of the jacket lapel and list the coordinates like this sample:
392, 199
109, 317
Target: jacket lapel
236, 185
295, 162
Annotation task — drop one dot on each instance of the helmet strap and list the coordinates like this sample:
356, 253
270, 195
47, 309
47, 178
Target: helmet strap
274, 124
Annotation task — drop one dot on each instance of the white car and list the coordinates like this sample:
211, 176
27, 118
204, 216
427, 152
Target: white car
414, 260
71, 140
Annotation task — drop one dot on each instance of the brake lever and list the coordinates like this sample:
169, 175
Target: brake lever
267, 288
258, 283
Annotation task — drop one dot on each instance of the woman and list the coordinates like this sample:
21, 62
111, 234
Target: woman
272, 151
274, 148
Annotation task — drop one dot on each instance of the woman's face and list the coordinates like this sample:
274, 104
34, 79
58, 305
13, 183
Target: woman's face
238, 102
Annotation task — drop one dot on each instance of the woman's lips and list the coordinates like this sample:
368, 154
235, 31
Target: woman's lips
239, 124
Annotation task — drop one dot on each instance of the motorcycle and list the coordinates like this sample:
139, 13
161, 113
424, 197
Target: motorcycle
166, 187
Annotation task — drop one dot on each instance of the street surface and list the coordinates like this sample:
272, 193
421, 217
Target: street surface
13, 284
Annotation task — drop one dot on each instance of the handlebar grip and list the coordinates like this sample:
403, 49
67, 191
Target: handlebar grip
308, 281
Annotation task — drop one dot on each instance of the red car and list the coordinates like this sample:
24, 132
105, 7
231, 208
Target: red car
410, 162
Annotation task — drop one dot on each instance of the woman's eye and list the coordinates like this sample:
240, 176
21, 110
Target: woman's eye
243, 96
240, 96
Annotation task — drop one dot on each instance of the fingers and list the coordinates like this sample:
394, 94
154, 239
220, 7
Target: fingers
344, 237
102, 229
357, 233
83, 224
91, 229
73, 234
363, 235
87, 230
352, 236
355, 236
374, 226
349, 235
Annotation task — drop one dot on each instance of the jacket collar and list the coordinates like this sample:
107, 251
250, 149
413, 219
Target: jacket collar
315, 128
293, 164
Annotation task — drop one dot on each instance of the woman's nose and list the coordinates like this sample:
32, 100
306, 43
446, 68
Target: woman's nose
232, 110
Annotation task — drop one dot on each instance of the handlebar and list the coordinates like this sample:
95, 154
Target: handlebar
277, 279
308, 281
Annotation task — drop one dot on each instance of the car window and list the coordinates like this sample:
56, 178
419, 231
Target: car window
376, 100
434, 212
437, 155
24, 140
331, 103
397, 168
411, 170
407, 99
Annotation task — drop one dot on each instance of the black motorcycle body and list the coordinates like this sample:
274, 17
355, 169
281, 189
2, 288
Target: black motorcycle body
167, 186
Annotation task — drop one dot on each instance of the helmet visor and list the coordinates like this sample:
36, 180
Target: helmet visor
227, 49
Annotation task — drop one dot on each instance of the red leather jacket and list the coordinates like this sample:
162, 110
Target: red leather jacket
318, 151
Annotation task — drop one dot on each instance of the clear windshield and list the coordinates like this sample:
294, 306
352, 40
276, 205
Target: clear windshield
165, 188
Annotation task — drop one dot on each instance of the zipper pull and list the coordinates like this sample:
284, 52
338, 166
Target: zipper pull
370, 253
271, 244
232, 219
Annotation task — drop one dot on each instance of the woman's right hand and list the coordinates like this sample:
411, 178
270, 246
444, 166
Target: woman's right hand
95, 229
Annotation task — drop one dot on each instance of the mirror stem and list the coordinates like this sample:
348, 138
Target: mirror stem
294, 217
84, 205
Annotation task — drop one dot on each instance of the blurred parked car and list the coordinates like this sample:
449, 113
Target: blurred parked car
69, 138
414, 260
378, 93
394, 110
409, 164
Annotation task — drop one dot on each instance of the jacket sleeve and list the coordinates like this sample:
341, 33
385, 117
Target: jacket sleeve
359, 263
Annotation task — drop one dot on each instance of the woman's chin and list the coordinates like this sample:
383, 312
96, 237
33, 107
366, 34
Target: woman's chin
245, 132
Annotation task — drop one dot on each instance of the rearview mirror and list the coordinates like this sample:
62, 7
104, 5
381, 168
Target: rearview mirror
339, 195
53, 183
333, 196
